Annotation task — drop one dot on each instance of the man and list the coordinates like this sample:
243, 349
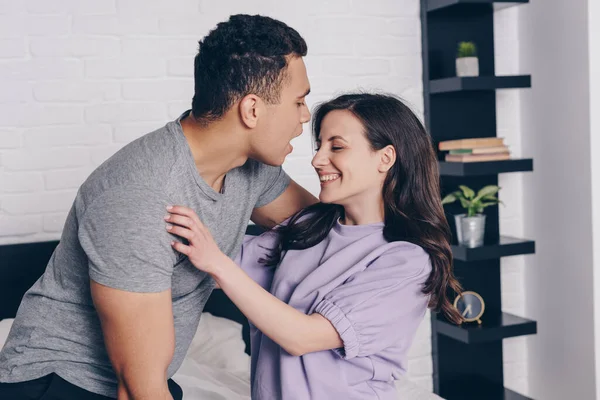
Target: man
115, 311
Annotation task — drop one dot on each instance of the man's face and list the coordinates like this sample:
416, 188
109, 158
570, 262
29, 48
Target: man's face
282, 122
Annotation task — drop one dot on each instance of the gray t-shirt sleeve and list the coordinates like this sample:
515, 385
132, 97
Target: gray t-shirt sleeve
123, 235
274, 181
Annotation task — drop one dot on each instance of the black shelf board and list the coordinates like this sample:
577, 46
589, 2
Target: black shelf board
492, 328
506, 246
434, 5
476, 388
496, 393
485, 168
471, 83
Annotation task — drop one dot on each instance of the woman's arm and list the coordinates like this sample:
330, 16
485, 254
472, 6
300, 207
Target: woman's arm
296, 332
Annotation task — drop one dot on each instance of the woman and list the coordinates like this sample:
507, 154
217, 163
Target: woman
336, 294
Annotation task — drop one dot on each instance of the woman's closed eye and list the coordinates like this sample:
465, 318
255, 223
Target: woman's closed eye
333, 148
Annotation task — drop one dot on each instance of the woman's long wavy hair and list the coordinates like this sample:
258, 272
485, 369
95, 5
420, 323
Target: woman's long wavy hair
411, 193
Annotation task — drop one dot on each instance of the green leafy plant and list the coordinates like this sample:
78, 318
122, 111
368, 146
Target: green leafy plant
466, 49
474, 203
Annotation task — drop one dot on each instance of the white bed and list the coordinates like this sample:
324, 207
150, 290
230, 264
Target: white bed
216, 367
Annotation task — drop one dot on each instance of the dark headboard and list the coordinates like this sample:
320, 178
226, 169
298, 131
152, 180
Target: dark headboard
22, 264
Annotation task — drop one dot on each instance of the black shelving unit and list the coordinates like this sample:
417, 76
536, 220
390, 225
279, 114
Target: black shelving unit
474, 388
467, 359
503, 247
496, 327
485, 168
434, 5
462, 84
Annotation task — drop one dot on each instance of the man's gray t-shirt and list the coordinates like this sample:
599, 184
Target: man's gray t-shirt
115, 234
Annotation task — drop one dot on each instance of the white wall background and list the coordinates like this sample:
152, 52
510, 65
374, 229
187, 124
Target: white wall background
594, 65
81, 78
557, 197
506, 38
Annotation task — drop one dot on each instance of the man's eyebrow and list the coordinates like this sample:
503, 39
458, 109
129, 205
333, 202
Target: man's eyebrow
305, 93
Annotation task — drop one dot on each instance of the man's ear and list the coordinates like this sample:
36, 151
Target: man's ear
250, 109
388, 158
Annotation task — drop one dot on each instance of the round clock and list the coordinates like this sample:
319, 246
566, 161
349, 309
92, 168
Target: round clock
470, 305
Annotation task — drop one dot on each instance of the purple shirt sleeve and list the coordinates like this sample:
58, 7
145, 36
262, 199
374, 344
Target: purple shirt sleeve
377, 305
253, 249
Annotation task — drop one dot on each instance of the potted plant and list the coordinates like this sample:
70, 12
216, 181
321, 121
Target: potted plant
470, 227
467, 63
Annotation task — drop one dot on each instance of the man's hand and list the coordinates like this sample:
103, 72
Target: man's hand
140, 339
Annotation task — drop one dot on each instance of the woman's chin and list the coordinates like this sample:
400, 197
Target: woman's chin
327, 198
324, 198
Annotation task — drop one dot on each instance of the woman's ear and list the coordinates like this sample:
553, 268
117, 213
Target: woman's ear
388, 158
250, 110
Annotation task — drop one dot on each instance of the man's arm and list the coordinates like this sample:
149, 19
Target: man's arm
292, 200
140, 339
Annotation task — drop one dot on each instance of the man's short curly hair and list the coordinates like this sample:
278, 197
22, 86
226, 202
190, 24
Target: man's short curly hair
244, 55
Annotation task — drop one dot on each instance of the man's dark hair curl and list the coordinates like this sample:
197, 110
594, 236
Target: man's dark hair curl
245, 55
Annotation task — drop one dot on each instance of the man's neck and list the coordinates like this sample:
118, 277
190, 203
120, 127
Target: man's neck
214, 148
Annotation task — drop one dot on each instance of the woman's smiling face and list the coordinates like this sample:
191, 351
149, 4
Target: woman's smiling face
348, 167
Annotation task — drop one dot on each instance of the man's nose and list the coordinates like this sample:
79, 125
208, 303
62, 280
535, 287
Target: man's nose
305, 114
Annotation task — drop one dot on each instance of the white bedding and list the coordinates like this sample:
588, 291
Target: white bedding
216, 367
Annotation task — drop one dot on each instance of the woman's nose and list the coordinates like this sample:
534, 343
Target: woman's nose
320, 159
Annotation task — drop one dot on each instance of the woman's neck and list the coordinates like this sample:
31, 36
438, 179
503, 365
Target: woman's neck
363, 214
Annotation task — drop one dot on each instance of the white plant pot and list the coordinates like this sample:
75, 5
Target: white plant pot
467, 66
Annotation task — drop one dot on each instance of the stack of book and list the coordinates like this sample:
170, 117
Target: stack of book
475, 150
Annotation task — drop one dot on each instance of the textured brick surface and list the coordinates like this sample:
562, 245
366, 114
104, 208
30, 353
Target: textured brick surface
81, 78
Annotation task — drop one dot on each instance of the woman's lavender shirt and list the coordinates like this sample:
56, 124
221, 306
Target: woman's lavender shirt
368, 288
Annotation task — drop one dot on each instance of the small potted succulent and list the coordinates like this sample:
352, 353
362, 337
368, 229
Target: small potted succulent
470, 227
467, 63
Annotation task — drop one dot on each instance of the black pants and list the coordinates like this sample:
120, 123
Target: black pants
53, 387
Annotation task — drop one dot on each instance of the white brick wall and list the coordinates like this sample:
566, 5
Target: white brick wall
511, 223
81, 78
